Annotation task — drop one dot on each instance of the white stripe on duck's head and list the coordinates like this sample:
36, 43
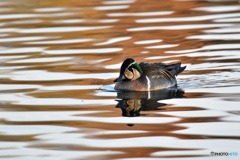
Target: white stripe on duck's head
130, 70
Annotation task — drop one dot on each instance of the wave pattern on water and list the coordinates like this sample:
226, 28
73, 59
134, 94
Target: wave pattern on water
58, 60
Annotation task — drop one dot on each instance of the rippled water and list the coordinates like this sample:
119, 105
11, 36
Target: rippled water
59, 59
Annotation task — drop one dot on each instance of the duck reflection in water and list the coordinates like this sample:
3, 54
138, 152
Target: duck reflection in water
133, 102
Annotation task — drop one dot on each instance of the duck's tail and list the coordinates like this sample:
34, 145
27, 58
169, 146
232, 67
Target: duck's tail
180, 69
176, 69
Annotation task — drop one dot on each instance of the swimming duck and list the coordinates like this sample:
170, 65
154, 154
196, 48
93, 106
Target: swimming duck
146, 76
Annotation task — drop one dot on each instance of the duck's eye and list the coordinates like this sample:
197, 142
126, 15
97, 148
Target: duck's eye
128, 74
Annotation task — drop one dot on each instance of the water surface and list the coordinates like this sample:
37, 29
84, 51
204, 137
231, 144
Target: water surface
58, 60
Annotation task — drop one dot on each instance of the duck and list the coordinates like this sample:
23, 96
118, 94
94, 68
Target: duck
147, 76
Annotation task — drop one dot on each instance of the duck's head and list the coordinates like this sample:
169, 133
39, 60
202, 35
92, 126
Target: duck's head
130, 70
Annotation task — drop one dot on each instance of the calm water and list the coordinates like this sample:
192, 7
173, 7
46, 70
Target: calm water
59, 59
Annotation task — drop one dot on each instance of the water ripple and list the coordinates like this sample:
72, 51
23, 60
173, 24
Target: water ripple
60, 29
81, 51
179, 27
188, 19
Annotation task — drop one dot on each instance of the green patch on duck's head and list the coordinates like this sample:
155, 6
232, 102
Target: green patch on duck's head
137, 67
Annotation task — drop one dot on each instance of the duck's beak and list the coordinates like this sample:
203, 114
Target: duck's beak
118, 79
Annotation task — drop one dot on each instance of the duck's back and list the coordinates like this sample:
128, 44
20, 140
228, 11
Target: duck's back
174, 69
160, 75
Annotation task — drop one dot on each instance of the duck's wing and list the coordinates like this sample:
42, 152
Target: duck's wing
173, 69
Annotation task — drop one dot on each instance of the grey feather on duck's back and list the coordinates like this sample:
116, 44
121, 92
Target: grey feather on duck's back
174, 69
